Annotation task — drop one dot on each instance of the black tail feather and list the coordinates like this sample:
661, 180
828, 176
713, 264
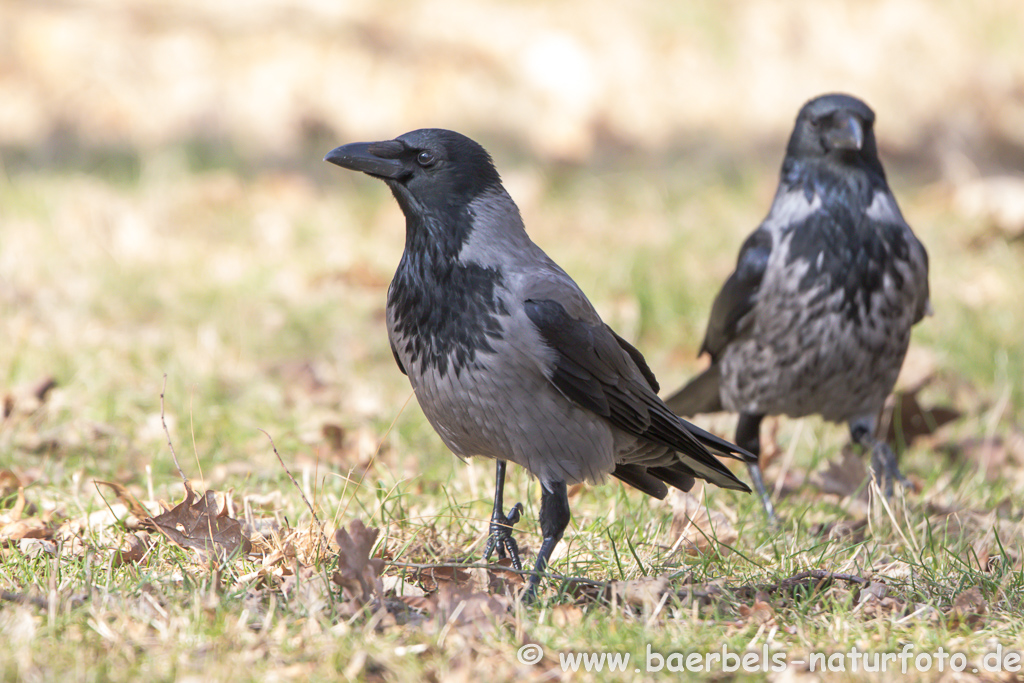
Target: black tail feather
700, 395
639, 477
672, 475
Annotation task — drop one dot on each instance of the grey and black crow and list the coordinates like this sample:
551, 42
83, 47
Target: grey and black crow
507, 357
816, 317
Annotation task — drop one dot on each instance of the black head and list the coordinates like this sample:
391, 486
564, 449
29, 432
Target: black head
837, 129
428, 170
444, 311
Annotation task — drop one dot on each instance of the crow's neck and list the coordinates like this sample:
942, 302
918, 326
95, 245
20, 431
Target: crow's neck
845, 189
843, 246
445, 312
839, 185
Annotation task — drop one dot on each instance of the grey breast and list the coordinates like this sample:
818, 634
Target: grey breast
805, 354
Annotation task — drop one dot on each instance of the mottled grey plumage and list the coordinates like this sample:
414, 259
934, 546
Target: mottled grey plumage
816, 317
507, 357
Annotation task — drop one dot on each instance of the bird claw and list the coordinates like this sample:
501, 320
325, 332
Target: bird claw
886, 471
500, 536
762, 493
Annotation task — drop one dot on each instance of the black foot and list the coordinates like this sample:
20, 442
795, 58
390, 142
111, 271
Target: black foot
748, 436
762, 493
554, 517
500, 537
886, 470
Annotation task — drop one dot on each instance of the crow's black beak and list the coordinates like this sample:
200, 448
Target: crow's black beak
379, 159
846, 133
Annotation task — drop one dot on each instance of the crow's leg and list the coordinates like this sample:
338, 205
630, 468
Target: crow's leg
554, 517
884, 467
501, 524
748, 436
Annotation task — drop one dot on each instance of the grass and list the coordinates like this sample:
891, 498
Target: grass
265, 313
163, 213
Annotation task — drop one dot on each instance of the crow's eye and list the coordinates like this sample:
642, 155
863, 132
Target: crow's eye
425, 159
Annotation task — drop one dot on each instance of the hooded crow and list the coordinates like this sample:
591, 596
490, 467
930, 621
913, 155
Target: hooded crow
507, 357
816, 317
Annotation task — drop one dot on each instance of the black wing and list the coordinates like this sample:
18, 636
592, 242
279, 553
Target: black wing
739, 294
593, 370
639, 359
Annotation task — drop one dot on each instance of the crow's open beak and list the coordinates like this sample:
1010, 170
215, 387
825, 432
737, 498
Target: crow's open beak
379, 159
847, 133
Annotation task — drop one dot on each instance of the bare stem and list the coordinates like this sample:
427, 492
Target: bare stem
302, 493
167, 431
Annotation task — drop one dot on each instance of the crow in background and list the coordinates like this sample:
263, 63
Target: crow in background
507, 357
816, 317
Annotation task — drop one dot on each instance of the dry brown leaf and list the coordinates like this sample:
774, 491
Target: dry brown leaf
9, 484
431, 578
19, 505
876, 590
28, 398
842, 477
906, 420
470, 612
645, 593
357, 573
760, 612
34, 547
991, 454
564, 616
354, 449
884, 608
398, 586
126, 497
695, 528
969, 609
41, 389
334, 435
197, 523
423, 603
132, 550
25, 528
500, 577
874, 601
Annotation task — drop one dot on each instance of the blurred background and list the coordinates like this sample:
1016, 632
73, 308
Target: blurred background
559, 80
164, 207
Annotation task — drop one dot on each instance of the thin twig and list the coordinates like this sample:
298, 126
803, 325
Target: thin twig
692, 591
512, 570
21, 598
319, 526
167, 431
192, 430
819, 575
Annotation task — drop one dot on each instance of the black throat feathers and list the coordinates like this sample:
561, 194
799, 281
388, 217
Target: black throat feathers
840, 241
445, 311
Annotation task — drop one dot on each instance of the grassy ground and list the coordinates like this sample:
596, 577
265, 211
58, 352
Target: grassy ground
255, 278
